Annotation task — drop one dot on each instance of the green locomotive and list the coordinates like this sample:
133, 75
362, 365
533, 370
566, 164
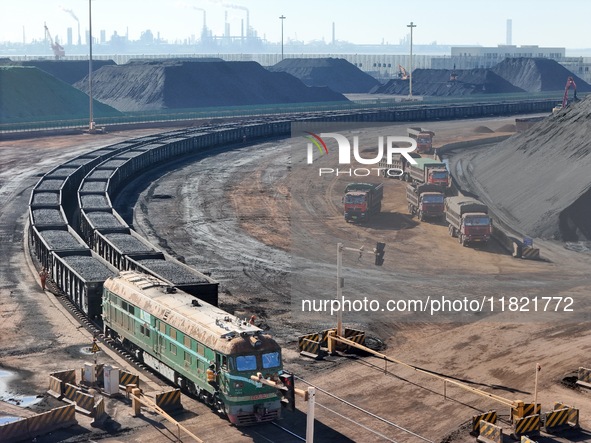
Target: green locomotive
199, 347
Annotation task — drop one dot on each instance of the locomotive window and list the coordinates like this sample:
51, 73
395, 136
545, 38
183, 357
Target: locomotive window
173, 333
145, 330
187, 342
188, 358
246, 363
271, 360
200, 349
163, 328
173, 349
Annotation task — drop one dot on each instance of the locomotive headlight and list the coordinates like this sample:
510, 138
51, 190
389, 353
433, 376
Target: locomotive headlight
238, 385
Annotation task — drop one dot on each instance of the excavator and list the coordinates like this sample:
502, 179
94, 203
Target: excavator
58, 50
402, 74
570, 82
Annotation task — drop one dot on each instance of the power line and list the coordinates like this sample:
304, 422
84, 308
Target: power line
365, 411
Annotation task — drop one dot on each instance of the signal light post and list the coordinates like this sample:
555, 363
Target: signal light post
288, 399
379, 253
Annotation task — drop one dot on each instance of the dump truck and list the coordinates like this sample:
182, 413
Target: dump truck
468, 219
399, 166
430, 171
425, 201
424, 139
362, 200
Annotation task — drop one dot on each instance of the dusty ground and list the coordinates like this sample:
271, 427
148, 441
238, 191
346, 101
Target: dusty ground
267, 229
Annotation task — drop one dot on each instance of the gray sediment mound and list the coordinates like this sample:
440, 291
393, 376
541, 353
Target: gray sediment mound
537, 74
483, 130
30, 94
539, 180
173, 84
336, 73
507, 128
436, 82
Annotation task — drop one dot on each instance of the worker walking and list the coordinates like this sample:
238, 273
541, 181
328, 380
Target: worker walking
43, 275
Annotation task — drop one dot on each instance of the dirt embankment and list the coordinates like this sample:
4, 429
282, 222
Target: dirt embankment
540, 178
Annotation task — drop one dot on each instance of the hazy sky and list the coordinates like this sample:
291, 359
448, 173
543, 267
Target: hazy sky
456, 22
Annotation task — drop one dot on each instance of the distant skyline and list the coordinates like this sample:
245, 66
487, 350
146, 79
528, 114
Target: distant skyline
447, 22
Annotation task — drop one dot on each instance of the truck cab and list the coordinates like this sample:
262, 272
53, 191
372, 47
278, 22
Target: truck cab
431, 204
476, 227
355, 205
361, 200
438, 177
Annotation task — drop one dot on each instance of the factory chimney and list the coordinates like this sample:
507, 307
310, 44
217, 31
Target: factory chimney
333, 34
509, 31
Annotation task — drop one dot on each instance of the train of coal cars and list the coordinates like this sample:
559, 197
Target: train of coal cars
171, 322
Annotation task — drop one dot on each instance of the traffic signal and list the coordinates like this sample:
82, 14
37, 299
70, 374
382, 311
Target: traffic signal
379, 251
288, 394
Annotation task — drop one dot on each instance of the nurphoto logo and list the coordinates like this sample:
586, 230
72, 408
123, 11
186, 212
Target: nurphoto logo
389, 155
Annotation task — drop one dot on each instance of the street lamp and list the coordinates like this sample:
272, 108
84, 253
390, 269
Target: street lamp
412, 25
91, 122
282, 18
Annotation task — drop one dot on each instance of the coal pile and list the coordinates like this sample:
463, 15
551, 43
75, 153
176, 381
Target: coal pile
173, 84
69, 71
62, 241
437, 82
89, 268
128, 244
539, 180
29, 94
173, 272
537, 74
336, 73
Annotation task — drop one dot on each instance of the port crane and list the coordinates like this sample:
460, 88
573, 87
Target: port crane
58, 50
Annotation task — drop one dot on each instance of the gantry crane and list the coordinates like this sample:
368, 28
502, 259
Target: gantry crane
58, 50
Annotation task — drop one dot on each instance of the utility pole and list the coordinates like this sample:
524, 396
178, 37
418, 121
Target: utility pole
282, 18
91, 120
412, 25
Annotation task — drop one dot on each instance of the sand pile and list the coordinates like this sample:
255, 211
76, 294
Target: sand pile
539, 179
173, 84
336, 73
437, 82
29, 94
537, 74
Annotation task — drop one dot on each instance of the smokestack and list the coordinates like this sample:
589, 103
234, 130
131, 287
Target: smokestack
69, 11
509, 31
247, 23
69, 36
242, 29
226, 25
204, 19
333, 34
